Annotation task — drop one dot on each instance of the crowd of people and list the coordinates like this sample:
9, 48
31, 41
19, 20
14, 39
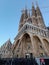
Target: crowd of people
16, 61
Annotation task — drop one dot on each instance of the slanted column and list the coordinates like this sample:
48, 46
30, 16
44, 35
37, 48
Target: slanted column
46, 50
33, 46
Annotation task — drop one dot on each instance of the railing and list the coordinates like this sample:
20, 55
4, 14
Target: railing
33, 29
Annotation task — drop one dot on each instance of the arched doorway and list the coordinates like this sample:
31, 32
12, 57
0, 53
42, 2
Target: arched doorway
38, 46
26, 46
46, 43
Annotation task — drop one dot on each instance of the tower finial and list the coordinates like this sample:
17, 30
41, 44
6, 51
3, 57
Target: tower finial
33, 9
32, 4
36, 3
23, 10
25, 7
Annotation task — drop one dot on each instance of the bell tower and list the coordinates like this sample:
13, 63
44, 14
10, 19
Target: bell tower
23, 18
39, 17
34, 16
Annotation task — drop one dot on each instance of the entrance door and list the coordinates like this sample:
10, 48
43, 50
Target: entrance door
28, 55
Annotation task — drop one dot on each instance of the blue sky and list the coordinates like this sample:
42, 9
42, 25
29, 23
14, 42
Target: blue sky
10, 12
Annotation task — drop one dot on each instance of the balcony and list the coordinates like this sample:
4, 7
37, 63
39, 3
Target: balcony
32, 29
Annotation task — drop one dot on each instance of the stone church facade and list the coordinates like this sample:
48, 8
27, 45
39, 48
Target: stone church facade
33, 36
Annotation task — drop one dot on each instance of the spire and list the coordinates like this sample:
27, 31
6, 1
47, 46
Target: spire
23, 17
8, 41
32, 4
25, 13
39, 16
38, 12
28, 13
36, 3
33, 9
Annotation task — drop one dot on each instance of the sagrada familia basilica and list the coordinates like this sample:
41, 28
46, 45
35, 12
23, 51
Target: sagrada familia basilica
32, 38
